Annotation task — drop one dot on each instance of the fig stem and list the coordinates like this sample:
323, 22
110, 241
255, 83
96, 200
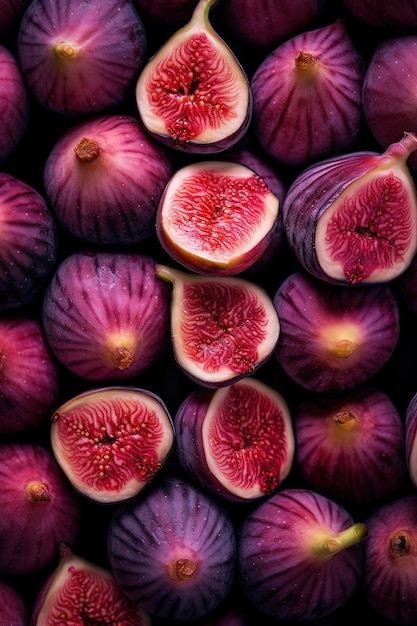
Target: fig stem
201, 11
304, 61
183, 569
403, 148
87, 150
346, 538
38, 491
64, 50
400, 544
345, 420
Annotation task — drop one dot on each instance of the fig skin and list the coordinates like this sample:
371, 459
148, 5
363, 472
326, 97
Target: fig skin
39, 508
79, 58
105, 315
14, 104
10, 13
384, 13
299, 555
237, 442
166, 11
104, 178
29, 380
13, 607
334, 338
173, 551
411, 439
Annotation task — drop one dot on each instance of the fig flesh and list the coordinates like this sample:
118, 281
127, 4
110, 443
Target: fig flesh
222, 328
352, 219
236, 442
110, 442
193, 93
216, 217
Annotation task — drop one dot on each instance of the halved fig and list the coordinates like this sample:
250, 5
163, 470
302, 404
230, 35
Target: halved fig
216, 217
222, 328
110, 442
236, 442
193, 94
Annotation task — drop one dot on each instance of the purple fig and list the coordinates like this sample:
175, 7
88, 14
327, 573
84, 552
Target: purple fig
411, 439
80, 57
29, 244
216, 217
236, 442
13, 606
105, 314
384, 13
307, 96
173, 551
14, 104
39, 509
299, 555
193, 94
352, 219
166, 11
334, 338
351, 446
29, 382
79, 591
110, 442
390, 560
104, 178
222, 328
406, 286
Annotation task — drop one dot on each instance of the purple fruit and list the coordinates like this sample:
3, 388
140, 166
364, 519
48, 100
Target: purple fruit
299, 555
40, 510
105, 314
13, 607
411, 439
14, 104
236, 442
80, 57
352, 219
166, 11
29, 382
334, 338
173, 551
384, 13
28, 243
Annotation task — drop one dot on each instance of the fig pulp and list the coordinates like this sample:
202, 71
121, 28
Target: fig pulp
222, 328
236, 442
193, 93
216, 217
352, 219
110, 442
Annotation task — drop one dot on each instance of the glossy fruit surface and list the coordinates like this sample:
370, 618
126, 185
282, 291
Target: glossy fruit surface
14, 104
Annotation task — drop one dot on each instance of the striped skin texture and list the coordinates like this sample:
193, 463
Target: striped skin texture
14, 104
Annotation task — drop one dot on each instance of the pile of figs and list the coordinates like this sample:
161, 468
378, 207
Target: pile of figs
208, 301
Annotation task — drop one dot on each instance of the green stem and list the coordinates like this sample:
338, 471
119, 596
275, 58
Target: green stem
346, 538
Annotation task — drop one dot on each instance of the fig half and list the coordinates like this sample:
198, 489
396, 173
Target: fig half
193, 94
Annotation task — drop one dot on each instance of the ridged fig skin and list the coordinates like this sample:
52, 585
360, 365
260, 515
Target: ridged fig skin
173, 551
14, 104
284, 567
384, 13
80, 58
105, 315
411, 439
14, 610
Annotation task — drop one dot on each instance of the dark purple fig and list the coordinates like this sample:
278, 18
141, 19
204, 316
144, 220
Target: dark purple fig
352, 219
29, 382
110, 442
236, 442
166, 11
81, 592
14, 103
299, 555
411, 439
104, 178
13, 606
351, 446
222, 328
39, 509
390, 560
216, 217
10, 12
80, 57
105, 314
28, 243
307, 96
384, 13
173, 551
193, 94
334, 338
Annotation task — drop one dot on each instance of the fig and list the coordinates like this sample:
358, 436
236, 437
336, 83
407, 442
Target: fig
384, 13
110, 442
333, 338
104, 178
307, 96
166, 11
193, 93
29, 243
29, 381
223, 328
236, 442
299, 555
40, 510
10, 13
352, 219
216, 217
173, 551
79, 58
411, 439
13, 607
79, 591
351, 446
14, 104
390, 560
105, 315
